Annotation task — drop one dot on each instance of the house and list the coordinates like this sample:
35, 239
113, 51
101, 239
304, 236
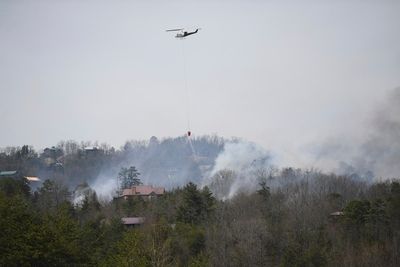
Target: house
132, 221
143, 191
52, 153
34, 182
89, 149
9, 174
336, 216
32, 178
92, 150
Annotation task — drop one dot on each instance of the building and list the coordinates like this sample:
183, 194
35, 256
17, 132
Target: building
143, 191
336, 216
132, 221
34, 182
32, 179
9, 174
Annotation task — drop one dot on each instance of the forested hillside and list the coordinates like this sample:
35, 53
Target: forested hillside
169, 162
282, 217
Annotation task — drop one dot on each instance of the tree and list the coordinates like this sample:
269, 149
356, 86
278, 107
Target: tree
28, 238
51, 195
130, 251
129, 177
264, 191
208, 202
197, 205
15, 186
86, 204
356, 212
15, 247
188, 242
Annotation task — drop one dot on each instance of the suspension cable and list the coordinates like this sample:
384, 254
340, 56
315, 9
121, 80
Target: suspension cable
186, 85
187, 98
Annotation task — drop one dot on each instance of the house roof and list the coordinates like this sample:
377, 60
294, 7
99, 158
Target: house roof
32, 178
132, 220
8, 173
143, 190
337, 213
91, 148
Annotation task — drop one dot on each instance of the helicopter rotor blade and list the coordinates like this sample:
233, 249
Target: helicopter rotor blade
174, 30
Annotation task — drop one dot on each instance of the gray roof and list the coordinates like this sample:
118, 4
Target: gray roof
337, 213
8, 173
132, 220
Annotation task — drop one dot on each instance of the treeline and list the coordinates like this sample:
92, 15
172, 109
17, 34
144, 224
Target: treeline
168, 162
294, 218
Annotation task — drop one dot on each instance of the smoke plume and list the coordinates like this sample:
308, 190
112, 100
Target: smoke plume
376, 154
232, 166
238, 168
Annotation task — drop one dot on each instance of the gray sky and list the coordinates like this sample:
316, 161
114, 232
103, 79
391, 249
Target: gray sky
281, 73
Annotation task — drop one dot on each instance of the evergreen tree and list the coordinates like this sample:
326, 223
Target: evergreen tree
129, 177
197, 205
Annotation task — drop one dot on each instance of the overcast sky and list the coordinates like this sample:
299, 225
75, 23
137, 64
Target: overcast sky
283, 74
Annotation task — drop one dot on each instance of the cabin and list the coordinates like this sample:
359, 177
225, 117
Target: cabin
132, 222
143, 191
9, 174
336, 216
32, 179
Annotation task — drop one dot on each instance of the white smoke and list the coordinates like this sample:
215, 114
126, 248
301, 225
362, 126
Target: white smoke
375, 153
237, 169
105, 186
241, 157
81, 192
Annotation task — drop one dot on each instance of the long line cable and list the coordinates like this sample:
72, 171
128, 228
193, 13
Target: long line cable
186, 85
187, 98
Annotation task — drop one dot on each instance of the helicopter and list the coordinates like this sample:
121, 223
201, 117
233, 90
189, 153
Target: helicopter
182, 34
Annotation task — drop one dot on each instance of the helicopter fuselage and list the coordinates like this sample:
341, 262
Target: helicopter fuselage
184, 34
